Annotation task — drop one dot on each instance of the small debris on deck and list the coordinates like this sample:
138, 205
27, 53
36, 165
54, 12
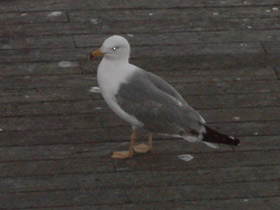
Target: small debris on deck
185, 157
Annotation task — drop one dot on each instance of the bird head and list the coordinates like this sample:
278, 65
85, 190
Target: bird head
115, 47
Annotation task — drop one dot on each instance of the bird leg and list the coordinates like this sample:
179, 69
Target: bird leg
129, 153
144, 148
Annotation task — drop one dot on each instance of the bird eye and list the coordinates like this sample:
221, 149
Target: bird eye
114, 48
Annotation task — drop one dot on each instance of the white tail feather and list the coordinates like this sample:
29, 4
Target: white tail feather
214, 146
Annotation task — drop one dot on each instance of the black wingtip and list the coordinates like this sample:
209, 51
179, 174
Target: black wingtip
214, 136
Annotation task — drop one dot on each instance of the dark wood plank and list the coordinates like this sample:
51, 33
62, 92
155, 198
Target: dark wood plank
234, 62
207, 160
175, 14
33, 5
56, 81
233, 101
140, 27
121, 134
208, 192
65, 136
33, 17
273, 59
37, 42
205, 62
272, 47
138, 179
104, 150
219, 76
249, 128
49, 122
183, 37
47, 95
55, 167
37, 68
277, 71
143, 51
148, 162
64, 198
38, 55
240, 114
230, 204
89, 107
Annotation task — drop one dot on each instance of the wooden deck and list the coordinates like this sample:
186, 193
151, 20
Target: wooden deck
56, 136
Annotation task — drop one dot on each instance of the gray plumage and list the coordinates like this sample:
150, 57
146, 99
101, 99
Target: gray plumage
158, 105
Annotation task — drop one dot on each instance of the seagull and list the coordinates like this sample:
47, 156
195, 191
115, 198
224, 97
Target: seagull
148, 102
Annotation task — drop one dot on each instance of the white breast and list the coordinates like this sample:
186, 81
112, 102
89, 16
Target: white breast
110, 75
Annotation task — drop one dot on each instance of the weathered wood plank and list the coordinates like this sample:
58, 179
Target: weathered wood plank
64, 198
249, 128
36, 68
184, 37
241, 114
49, 122
273, 59
207, 192
37, 55
204, 62
113, 134
33, 5
140, 27
47, 95
222, 76
147, 162
55, 167
56, 81
208, 160
222, 87
138, 51
229, 204
272, 47
89, 107
32, 17
233, 101
199, 49
77, 136
236, 62
104, 150
37, 42
138, 179
277, 70
175, 14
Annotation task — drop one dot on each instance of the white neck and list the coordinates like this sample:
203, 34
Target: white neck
111, 73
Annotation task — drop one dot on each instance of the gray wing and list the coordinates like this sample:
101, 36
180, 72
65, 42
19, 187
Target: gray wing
157, 105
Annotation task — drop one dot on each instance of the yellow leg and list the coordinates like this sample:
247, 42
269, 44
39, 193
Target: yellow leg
129, 153
144, 148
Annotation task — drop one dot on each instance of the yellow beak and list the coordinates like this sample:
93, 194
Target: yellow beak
96, 53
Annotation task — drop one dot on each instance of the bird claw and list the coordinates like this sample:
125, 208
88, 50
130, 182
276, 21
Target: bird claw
142, 148
122, 155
